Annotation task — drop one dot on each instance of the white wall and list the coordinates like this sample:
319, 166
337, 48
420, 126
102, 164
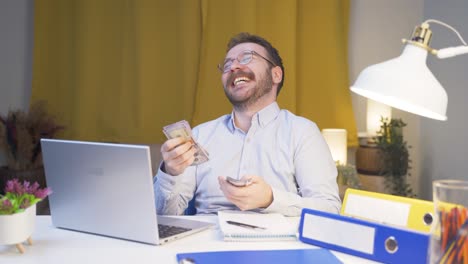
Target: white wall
445, 144
376, 30
16, 41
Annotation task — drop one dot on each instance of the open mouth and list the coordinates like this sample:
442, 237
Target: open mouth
240, 80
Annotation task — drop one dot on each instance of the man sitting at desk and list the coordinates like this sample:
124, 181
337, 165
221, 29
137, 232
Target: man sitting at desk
283, 157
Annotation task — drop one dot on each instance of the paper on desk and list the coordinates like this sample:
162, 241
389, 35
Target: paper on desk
277, 227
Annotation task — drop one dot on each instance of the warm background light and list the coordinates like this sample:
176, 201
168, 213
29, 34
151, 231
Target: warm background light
375, 111
336, 140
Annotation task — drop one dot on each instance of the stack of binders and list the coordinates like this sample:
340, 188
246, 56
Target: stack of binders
376, 226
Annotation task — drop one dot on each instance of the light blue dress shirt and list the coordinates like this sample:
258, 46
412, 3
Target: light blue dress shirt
288, 151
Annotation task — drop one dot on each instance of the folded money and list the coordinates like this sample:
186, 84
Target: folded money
182, 129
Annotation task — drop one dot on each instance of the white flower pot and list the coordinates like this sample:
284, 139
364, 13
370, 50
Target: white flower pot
17, 228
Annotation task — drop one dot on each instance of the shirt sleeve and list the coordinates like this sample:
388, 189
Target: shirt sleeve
315, 174
173, 193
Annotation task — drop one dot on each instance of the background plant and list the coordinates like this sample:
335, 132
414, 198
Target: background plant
395, 156
20, 134
347, 175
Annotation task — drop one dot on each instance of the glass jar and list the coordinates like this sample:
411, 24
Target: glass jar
449, 233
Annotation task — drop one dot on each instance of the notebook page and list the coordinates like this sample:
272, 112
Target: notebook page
276, 226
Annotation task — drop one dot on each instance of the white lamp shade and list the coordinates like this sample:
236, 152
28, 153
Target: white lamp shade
405, 83
336, 140
375, 112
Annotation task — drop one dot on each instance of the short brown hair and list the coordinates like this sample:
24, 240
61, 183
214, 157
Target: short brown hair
273, 54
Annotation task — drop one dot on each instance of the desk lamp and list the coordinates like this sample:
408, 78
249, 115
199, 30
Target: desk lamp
406, 82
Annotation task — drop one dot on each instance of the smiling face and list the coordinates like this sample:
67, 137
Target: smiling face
252, 84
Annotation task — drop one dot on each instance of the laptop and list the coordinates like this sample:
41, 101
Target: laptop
107, 189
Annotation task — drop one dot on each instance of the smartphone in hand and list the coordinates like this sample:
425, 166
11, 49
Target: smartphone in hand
238, 183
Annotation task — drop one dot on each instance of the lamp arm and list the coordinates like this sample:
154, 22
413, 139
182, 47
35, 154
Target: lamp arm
451, 52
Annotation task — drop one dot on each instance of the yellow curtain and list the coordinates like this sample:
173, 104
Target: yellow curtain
120, 70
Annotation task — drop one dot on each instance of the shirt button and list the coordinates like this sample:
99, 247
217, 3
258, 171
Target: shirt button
248, 140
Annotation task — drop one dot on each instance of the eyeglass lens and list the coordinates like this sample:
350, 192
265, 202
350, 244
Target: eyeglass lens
244, 58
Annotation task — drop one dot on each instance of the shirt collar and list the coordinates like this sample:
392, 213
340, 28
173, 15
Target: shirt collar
230, 123
263, 117
268, 114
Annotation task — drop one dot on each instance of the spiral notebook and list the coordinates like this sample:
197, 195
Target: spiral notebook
250, 226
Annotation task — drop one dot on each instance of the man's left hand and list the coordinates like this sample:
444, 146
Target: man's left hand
257, 194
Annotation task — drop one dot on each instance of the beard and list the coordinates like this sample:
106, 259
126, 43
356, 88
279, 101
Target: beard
243, 102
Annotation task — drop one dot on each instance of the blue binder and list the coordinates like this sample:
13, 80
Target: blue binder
363, 238
296, 256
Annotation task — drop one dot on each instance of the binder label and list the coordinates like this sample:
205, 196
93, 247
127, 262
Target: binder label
370, 208
318, 228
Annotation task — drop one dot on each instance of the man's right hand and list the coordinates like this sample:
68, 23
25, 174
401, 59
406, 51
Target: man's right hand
178, 153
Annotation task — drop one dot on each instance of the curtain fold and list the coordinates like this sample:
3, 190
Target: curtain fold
120, 70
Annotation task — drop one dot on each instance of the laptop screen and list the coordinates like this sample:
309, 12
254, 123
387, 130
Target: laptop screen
101, 188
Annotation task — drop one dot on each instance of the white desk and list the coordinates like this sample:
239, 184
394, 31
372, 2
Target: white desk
52, 245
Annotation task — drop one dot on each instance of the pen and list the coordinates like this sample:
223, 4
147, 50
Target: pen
244, 225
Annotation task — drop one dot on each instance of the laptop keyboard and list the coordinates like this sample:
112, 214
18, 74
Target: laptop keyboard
168, 230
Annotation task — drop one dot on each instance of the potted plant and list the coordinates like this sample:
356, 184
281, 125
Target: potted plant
347, 178
18, 212
394, 155
20, 134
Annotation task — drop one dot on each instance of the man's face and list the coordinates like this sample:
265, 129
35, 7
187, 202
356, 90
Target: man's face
244, 85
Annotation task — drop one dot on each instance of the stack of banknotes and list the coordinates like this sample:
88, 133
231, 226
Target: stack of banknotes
182, 129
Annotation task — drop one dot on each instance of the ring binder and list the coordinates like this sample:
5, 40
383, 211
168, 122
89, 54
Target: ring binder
363, 238
407, 212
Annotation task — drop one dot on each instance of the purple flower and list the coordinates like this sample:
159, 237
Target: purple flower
6, 206
6, 203
15, 187
9, 187
31, 189
42, 193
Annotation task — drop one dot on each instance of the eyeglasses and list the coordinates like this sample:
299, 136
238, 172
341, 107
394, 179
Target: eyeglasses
245, 57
